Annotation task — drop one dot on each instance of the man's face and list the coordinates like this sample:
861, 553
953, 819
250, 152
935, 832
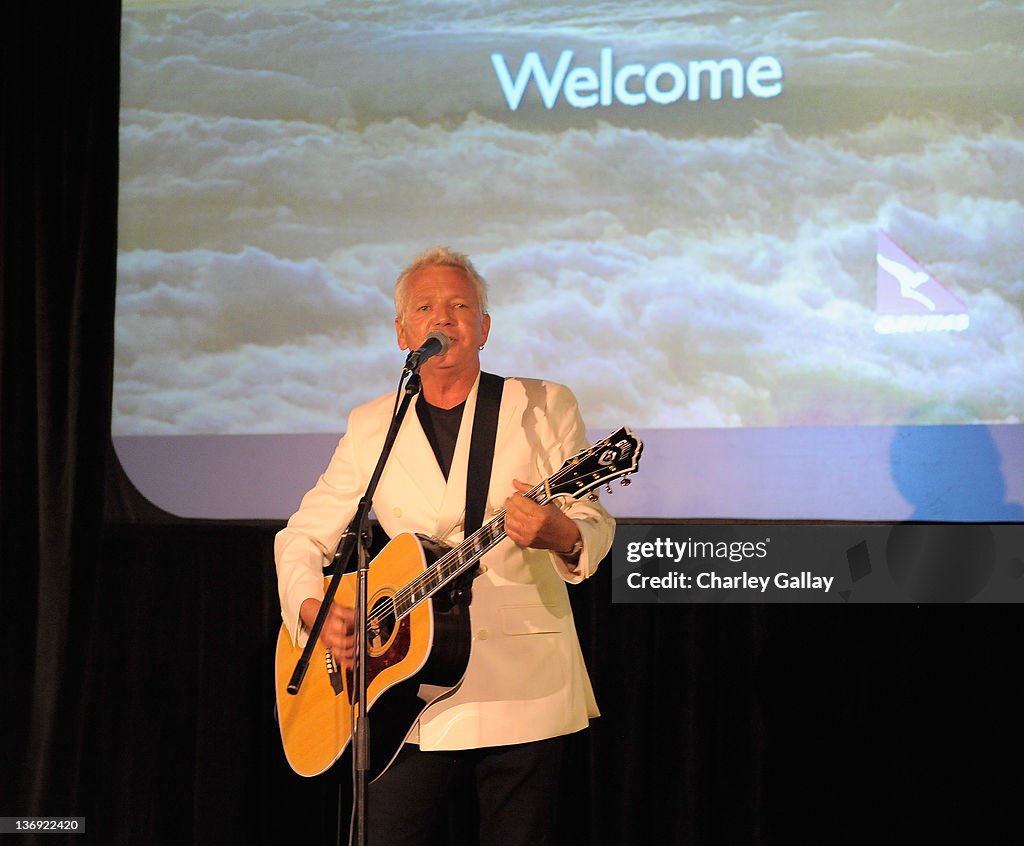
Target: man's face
443, 298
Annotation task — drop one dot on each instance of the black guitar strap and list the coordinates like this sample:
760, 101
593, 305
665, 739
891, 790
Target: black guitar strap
478, 475
481, 449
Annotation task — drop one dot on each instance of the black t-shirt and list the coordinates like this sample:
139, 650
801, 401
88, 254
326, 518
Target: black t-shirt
441, 426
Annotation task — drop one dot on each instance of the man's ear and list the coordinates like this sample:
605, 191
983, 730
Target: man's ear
403, 344
485, 323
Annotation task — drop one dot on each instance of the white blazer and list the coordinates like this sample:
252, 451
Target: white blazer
526, 679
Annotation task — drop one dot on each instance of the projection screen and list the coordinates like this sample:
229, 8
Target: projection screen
783, 242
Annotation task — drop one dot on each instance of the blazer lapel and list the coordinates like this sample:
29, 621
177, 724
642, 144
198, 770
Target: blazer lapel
414, 455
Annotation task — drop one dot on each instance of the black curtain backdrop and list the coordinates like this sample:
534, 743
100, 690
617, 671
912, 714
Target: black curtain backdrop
137, 648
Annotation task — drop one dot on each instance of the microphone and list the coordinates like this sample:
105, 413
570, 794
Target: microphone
436, 343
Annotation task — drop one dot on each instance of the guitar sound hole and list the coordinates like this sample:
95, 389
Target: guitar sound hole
380, 627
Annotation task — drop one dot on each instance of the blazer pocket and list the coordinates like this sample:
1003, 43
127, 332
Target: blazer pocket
531, 619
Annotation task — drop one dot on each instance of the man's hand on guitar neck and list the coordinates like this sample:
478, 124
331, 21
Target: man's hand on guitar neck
538, 526
338, 632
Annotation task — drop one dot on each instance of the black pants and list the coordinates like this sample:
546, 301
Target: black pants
515, 790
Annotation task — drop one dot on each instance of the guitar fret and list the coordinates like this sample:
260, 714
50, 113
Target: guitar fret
454, 566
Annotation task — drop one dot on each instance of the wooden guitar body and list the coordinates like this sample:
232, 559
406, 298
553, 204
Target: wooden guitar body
430, 645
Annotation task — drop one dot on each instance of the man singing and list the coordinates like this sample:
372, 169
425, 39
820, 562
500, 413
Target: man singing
525, 687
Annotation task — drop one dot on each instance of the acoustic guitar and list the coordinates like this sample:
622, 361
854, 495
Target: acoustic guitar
417, 631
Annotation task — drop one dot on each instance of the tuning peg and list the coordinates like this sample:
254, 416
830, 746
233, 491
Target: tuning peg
608, 488
625, 482
592, 497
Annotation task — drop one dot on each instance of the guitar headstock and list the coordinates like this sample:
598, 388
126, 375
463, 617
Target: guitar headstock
615, 456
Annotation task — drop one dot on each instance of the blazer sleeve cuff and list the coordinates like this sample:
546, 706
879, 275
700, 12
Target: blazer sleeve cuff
596, 542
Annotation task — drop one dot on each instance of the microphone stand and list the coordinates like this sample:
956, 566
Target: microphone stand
358, 530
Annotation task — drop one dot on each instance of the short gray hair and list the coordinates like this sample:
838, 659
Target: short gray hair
439, 257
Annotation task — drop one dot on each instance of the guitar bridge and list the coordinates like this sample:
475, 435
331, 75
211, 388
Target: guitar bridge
334, 674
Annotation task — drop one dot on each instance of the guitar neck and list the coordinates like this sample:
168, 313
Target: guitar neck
456, 561
615, 456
